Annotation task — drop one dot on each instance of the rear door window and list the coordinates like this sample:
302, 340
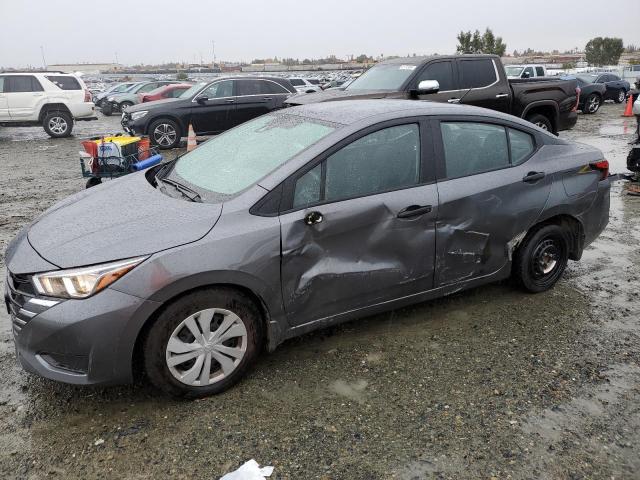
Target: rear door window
540, 71
471, 148
64, 82
477, 73
22, 83
440, 71
250, 87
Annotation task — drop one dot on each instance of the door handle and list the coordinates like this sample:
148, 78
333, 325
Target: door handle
502, 95
230, 100
414, 211
267, 99
312, 218
533, 177
453, 100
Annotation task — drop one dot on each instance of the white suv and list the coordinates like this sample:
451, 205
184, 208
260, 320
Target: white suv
51, 99
303, 85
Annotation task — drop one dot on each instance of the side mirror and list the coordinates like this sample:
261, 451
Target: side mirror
426, 87
202, 100
526, 75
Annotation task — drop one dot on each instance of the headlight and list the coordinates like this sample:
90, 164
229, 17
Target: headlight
137, 115
82, 282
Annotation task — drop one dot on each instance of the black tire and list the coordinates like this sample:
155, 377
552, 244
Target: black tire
620, 96
93, 181
164, 126
156, 341
541, 121
57, 124
124, 105
107, 109
546, 247
592, 103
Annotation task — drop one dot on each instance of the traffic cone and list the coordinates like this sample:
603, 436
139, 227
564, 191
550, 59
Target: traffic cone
628, 112
191, 139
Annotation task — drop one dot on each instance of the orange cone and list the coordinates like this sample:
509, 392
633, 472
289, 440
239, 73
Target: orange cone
191, 139
628, 111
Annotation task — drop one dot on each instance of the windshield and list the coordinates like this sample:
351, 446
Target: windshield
233, 161
587, 78
193, 90
383, 77
513, 71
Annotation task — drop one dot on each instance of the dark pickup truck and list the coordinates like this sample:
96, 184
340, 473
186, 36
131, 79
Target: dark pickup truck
477, 80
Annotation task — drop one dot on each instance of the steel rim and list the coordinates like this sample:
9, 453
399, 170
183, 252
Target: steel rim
546, 258
621, 96
206, 347
164, 134
58, 125
594, 104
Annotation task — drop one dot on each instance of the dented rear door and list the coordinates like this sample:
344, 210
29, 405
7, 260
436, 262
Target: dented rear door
483, 215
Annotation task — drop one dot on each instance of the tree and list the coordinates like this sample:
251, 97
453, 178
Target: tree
181, 76
603, 51
480, 43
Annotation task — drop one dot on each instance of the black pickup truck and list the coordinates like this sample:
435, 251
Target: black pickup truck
477, 80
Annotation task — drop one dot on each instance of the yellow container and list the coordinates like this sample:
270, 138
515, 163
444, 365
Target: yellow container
120, 140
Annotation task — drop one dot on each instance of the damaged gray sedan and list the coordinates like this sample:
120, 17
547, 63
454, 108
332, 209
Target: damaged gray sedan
301, 218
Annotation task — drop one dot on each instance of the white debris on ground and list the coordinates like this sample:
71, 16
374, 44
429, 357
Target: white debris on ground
249, 471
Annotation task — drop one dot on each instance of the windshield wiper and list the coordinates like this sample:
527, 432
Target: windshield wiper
183, 189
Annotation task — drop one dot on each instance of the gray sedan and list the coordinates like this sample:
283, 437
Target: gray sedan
298, 219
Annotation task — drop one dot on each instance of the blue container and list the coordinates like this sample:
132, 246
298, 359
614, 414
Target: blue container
149, 162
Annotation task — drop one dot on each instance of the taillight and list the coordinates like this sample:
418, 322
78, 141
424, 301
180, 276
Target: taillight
87, 95
575, 107
602, 166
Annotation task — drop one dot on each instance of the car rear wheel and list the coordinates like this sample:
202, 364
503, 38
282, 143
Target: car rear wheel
540, 120
621, 96
107, 109
57, 124
203, 343
592, 103
541, 259
165, 133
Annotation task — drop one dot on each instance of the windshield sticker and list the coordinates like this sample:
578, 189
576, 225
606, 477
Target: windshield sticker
407, 67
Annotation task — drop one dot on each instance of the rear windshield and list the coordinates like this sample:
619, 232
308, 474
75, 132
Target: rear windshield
64, 82
383, 77
193, 90
587, 78
231, 162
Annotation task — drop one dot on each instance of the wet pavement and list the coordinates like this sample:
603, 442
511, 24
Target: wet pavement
487, 383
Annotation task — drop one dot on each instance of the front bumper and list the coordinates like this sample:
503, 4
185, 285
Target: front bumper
89, 341
133, 127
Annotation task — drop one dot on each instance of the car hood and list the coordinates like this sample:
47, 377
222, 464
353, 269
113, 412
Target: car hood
154, 103
119, 219
330, 95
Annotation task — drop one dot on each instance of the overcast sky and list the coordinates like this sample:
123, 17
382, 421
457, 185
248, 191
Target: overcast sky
163, 30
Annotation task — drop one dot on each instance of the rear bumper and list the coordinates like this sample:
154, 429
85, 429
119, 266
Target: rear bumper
567, 121
83, 111
596, 219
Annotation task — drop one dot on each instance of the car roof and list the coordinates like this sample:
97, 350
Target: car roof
421, 60
348, 112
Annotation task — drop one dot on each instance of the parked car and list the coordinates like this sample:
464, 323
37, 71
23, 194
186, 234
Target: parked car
479, 80
591, 94
303, 85
167, 91
298, 219
54, 100
617, 89
119, 101
100, 98
525, 71
211, 108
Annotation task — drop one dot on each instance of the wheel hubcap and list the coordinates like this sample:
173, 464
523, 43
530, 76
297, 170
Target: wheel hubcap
164, 134
58, 125
206, 347
545, 258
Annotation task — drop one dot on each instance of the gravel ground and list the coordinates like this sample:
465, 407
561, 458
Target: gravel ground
488, 383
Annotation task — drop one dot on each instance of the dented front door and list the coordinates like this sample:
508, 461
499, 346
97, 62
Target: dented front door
363, 251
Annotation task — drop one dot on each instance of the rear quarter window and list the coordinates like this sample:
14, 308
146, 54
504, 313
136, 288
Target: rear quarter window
64, 82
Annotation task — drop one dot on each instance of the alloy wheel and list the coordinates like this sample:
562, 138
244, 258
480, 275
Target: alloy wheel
622, 96
164, 134
206, 347
58, 125
594, 104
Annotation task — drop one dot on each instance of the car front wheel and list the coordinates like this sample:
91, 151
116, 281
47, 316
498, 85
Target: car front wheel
165, 133
203, 343
57, 124
541, 259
